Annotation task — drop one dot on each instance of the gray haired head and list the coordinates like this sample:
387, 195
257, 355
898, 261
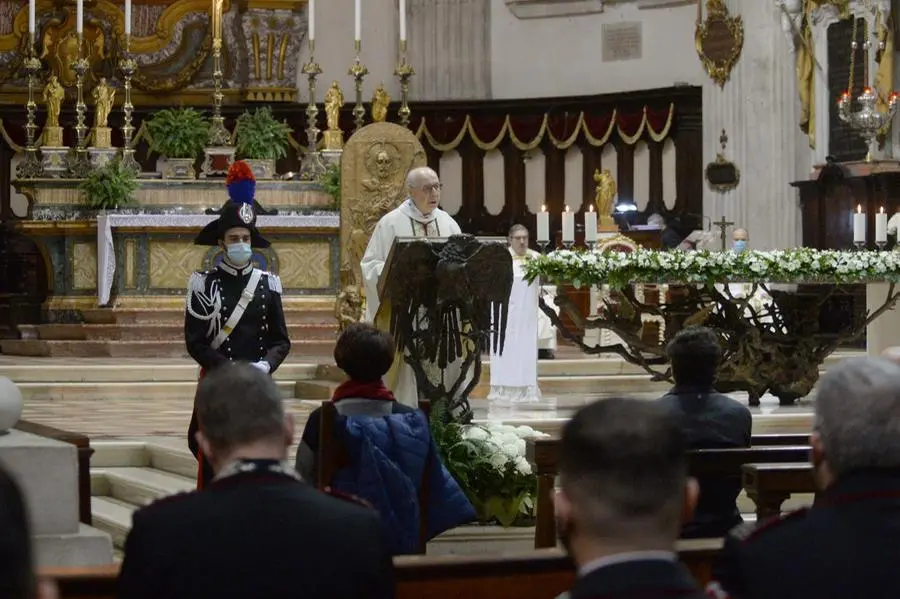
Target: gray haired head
238, 404
515, 229
417, 176
858, 415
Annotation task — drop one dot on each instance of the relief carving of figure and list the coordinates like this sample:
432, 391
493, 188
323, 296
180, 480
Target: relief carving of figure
605, 194
348, 308
53, 98
380, 102
103, 96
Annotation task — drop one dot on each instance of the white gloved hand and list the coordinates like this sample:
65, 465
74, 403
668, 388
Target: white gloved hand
262, 365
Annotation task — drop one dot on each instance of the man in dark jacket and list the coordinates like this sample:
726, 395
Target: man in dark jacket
710, 420
624, 494
848, 543
257, 530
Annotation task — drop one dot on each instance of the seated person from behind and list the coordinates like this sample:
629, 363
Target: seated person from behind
711, 421
389, 445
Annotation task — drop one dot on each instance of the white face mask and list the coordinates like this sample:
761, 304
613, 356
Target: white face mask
238, 253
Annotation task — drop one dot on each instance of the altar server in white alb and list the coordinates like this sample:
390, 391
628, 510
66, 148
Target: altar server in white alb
514, 372
417, 216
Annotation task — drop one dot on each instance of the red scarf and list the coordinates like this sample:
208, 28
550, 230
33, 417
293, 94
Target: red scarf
371, 390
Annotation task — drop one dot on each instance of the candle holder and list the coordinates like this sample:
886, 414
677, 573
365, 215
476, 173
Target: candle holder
543, 245
568, 244
359, 71
312, 165
128, 66
590, 245
881, 245
404, 72
218, 134
860, 245
79, 161
30, 167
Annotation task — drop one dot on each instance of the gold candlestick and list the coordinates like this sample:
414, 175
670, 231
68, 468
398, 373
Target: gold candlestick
312, 164
128, 66
359, 71
218, 134
30, 167
403, 72
79, 162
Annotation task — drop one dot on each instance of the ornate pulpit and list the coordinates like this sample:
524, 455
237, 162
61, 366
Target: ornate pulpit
443, 299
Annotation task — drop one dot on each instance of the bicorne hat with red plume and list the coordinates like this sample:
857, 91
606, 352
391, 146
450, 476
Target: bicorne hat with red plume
239, 211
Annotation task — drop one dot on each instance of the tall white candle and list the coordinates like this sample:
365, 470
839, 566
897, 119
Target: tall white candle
543, 225
79, 17
402, 20
31, 9
357, 23
312, 20
568, 226
590, 225
859, 225
127, 17
881, 226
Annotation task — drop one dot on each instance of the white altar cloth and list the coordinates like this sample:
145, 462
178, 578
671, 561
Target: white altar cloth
106, 254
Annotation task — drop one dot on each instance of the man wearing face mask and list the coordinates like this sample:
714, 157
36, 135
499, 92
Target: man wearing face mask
624, 494
234, 311
740, 239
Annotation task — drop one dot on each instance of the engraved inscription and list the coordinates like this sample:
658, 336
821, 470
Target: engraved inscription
622, 41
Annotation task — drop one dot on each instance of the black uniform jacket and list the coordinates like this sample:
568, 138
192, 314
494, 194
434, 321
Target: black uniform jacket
846, 545
639, 579
261, 333
259, 534
712, 421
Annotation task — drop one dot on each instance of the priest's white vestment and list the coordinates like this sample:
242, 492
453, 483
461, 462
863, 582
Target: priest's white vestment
404, 221
514, 372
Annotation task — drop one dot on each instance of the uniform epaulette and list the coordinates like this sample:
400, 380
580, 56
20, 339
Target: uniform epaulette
197, 282
750, 530
274, 282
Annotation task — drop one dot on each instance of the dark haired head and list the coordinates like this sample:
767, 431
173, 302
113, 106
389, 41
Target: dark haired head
623, 473
17, 579
364, 352
695, 355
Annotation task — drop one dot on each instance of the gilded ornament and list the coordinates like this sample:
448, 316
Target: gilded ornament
334, 100
605, 197
380, 102
53, 98
719, 41
349, 308
103, 95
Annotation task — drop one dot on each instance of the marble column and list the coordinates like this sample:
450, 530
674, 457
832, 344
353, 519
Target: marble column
450, 48
759, 110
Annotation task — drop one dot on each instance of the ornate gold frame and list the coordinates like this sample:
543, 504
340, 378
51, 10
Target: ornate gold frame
722, 161
718, 22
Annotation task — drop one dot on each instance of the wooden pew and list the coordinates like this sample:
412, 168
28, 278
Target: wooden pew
543, 456
84, 452
541, 574
770, 485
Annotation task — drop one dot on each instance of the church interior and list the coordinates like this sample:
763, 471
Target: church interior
764, 126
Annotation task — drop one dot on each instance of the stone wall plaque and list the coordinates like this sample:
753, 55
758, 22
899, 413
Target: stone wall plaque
622, 41
719, 41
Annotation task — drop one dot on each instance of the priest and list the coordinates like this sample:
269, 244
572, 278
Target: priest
514, 372
417, 216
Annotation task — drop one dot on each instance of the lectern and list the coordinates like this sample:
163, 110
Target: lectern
443, 299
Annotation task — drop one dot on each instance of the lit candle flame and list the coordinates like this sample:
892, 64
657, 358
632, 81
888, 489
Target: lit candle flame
859, 208
882, 210
591, 208
543, 208
567, 207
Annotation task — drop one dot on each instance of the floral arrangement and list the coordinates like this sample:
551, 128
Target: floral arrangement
178, 132
260, 136
489, 464
618, 269
109, 186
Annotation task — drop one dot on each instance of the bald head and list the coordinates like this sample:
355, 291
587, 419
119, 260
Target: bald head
424, 188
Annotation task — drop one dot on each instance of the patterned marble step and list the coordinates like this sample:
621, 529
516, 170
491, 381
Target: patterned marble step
176, 316
132, 349
131, 391
150, 332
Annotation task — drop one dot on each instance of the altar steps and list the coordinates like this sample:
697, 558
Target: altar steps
131, 349
151, 332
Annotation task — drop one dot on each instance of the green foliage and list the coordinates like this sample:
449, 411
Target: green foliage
110, 186
330, 180
178, 132
258, 136
484, 461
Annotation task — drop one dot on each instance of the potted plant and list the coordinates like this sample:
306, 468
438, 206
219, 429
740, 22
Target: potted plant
109, 187
179, 135
330, 181
260, 140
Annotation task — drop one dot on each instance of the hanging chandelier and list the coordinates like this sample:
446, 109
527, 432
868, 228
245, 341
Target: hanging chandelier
867, 120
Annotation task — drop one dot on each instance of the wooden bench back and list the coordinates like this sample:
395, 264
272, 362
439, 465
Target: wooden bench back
541, 574
333, 457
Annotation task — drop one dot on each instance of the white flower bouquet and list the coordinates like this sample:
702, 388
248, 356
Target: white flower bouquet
489, 464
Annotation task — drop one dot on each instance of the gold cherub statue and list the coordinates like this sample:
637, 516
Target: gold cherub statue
334, 100
54, 94
605, 196
380, 102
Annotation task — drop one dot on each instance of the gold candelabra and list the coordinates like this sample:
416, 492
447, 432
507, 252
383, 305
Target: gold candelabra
312, 165
128, 66
30, 167
218, 134
404, 72
79, 161
359, 71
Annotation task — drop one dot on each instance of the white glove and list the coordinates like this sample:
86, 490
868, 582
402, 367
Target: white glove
262, 365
